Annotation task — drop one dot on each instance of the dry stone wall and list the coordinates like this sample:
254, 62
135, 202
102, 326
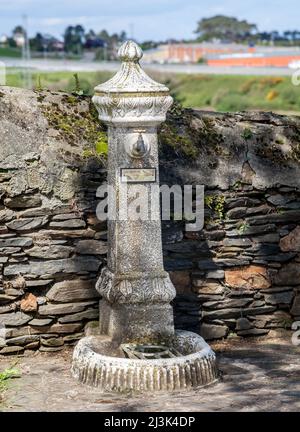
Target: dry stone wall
51, 243
240, 275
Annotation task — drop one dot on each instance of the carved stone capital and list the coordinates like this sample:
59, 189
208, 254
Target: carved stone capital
135, 287
133, 110
131, 97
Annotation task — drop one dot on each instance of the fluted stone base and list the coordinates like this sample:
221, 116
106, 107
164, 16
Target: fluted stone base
100, 363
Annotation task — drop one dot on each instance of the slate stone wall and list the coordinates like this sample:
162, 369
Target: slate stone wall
51, 243
240, 275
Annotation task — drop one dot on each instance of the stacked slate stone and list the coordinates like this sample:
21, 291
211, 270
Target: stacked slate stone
51, 243
237, 276
240, 275
245, 282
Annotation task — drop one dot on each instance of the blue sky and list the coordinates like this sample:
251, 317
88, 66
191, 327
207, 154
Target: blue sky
147, 19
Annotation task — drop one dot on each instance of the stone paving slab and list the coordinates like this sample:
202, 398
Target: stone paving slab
257, 375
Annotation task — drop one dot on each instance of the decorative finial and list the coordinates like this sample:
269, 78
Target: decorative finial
130, 52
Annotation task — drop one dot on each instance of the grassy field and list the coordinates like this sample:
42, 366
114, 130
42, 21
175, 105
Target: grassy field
215, 92
10, 52
64, 81
237, 93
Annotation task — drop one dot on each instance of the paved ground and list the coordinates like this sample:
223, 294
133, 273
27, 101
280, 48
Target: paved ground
258, 375
91, 66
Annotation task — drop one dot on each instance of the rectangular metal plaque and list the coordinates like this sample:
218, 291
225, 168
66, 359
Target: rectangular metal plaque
138, 175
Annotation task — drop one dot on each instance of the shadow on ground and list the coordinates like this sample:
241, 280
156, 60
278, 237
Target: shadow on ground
257, 375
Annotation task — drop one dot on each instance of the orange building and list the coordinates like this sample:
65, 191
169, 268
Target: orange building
191, 53
220, 54
282, 59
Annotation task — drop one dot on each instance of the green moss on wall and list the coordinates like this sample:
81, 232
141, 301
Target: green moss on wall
76, 120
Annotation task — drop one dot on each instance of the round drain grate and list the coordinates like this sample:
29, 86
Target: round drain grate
149, 351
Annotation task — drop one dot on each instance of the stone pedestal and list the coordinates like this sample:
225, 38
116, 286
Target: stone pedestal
135, 289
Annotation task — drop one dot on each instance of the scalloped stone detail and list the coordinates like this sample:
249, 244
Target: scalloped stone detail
135, 288
195, 368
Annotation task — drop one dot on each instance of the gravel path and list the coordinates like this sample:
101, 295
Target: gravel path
257, 375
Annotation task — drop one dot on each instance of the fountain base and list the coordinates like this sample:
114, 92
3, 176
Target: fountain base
100, 362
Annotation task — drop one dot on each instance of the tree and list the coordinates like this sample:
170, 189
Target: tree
104, 35
18, 37
123, 36
74, 39
146, 45
18, 30
275, 35
225, 28
90, 34
112, 43
287, 35
79, 38
68, 39
295, 35
37, 43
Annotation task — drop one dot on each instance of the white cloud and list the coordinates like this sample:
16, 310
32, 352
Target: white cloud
55, 21
152, 19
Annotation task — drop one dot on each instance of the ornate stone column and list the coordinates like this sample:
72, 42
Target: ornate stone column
136, 347
136, 291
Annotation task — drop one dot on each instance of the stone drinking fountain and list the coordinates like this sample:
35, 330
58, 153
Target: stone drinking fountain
136, 347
